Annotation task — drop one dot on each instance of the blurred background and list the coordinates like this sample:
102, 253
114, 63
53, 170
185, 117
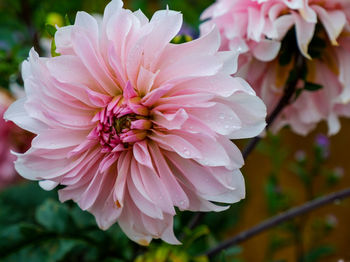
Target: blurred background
284, 171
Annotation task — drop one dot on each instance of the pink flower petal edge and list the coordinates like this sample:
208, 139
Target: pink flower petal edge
256, 28
12, 138
134, 126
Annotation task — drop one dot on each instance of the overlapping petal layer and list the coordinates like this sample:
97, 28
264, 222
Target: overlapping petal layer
256, 29
134, 126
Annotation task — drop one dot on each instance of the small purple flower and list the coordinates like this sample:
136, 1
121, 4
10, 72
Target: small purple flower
323, 143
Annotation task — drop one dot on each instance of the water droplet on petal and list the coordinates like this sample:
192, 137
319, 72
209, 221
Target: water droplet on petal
187, 152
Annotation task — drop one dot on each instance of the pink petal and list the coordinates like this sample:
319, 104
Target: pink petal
333, 21
178, 196
93, 62
160, 197
98, 99
304, 31
177, 144
170, 121
266, 50
55, 139
220, 118
141, 154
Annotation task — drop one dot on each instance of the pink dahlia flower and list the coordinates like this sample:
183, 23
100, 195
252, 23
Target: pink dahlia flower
11, 138
257, 27
134, 126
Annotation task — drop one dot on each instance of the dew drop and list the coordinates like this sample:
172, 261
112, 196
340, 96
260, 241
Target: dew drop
186, 152
222, 116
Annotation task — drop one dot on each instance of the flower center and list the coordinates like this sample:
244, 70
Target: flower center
123, 122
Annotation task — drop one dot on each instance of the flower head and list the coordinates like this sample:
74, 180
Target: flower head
133, 125
269, 32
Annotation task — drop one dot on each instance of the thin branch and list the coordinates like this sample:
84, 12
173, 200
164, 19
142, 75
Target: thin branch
276, 220
284, 101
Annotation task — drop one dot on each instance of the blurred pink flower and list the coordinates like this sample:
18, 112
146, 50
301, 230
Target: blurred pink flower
11, 138
134, 126
256, 28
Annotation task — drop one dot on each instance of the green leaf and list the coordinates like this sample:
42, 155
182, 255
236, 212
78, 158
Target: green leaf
67, 20
82, 219
113, 260
18, 203
198, 232
52, 215
50, 250
312, 86
200, 259
53, 49
298, 93
9, 236
319, 252
30, 230
51, 30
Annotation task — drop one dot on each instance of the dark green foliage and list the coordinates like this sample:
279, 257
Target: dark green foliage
289, 48
191, 9
34, 226
312, 86
51, 30
318, 42
316, 254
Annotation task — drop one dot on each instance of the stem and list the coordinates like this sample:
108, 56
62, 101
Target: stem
289, 91
276, 220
